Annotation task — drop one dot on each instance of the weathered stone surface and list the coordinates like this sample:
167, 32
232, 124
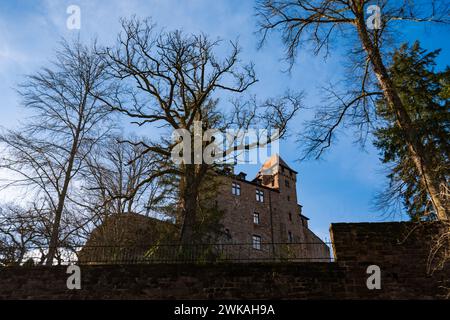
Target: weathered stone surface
279, 213
403, 266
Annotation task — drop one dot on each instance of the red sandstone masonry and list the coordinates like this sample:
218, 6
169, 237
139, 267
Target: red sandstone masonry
356, 246
279, 213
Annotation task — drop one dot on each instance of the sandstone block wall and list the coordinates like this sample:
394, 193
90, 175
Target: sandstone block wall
403, 263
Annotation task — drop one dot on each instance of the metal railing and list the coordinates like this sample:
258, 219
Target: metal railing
192, 253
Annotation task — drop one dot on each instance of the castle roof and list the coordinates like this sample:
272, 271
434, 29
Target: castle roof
271, 166
284, 164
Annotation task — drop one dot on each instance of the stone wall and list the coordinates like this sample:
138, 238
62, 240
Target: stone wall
399, 249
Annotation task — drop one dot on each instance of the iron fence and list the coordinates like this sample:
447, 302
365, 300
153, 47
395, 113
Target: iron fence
192, 253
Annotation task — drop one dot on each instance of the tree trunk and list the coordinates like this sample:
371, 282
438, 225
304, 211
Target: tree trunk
420, 158
188, 206
63, 194
58, 212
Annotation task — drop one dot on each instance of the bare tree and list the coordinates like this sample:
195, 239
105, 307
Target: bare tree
179, 81
116, 168
21, 230
110, 196
48, 153
316, 23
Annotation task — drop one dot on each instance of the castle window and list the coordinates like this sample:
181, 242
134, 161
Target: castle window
259, 195
286, 182
290, 216
256, 242
255, 217
291, 237
288, 198
236, 189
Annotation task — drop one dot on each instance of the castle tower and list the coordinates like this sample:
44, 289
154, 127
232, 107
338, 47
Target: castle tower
276, 174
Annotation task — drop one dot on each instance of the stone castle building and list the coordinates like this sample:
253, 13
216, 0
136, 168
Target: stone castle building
261, 220
262, 216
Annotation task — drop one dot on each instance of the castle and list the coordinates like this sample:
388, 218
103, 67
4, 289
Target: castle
261, 220
265, 214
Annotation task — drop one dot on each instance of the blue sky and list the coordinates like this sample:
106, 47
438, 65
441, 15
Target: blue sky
338, 188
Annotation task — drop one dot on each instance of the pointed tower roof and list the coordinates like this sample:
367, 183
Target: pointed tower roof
284, 164
271, 166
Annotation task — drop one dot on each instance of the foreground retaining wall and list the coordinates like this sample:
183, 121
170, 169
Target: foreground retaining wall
399, 249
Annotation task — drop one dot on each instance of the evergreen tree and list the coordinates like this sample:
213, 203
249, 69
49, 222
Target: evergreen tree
425, 94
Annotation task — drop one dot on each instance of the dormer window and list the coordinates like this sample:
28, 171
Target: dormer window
241, 175
259, 195
236, 189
